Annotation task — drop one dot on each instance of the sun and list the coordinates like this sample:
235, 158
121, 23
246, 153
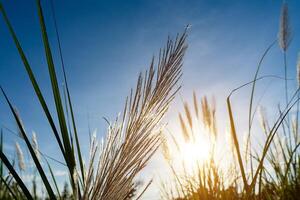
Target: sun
195, 153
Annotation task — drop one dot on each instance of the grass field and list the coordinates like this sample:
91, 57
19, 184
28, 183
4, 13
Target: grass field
204, 161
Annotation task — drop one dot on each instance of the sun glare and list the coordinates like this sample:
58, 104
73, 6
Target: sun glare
195, 152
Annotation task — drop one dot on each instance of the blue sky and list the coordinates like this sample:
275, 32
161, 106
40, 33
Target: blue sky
107, 43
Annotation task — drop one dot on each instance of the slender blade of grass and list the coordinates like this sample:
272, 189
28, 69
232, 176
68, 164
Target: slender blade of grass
15, 175
30, 148
236, 144
70, 159
53, 178
68, 92
75, 132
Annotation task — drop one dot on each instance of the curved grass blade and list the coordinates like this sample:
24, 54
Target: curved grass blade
31, 150
250, 119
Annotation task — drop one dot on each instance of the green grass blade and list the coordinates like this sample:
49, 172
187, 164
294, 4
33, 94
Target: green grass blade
68, 92
56, 93
32, 79
30, 148
53, 178
75, 130
15, 175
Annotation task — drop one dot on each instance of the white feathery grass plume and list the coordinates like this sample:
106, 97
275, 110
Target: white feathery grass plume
35, 145
298, 70
22, 124
132, 139
284, 35
20, 156
209, 116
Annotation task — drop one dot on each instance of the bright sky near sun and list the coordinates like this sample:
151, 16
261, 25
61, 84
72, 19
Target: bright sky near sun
107, 43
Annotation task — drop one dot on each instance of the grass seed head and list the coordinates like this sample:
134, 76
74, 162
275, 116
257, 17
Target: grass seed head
284, 35
20, 156
35, 145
